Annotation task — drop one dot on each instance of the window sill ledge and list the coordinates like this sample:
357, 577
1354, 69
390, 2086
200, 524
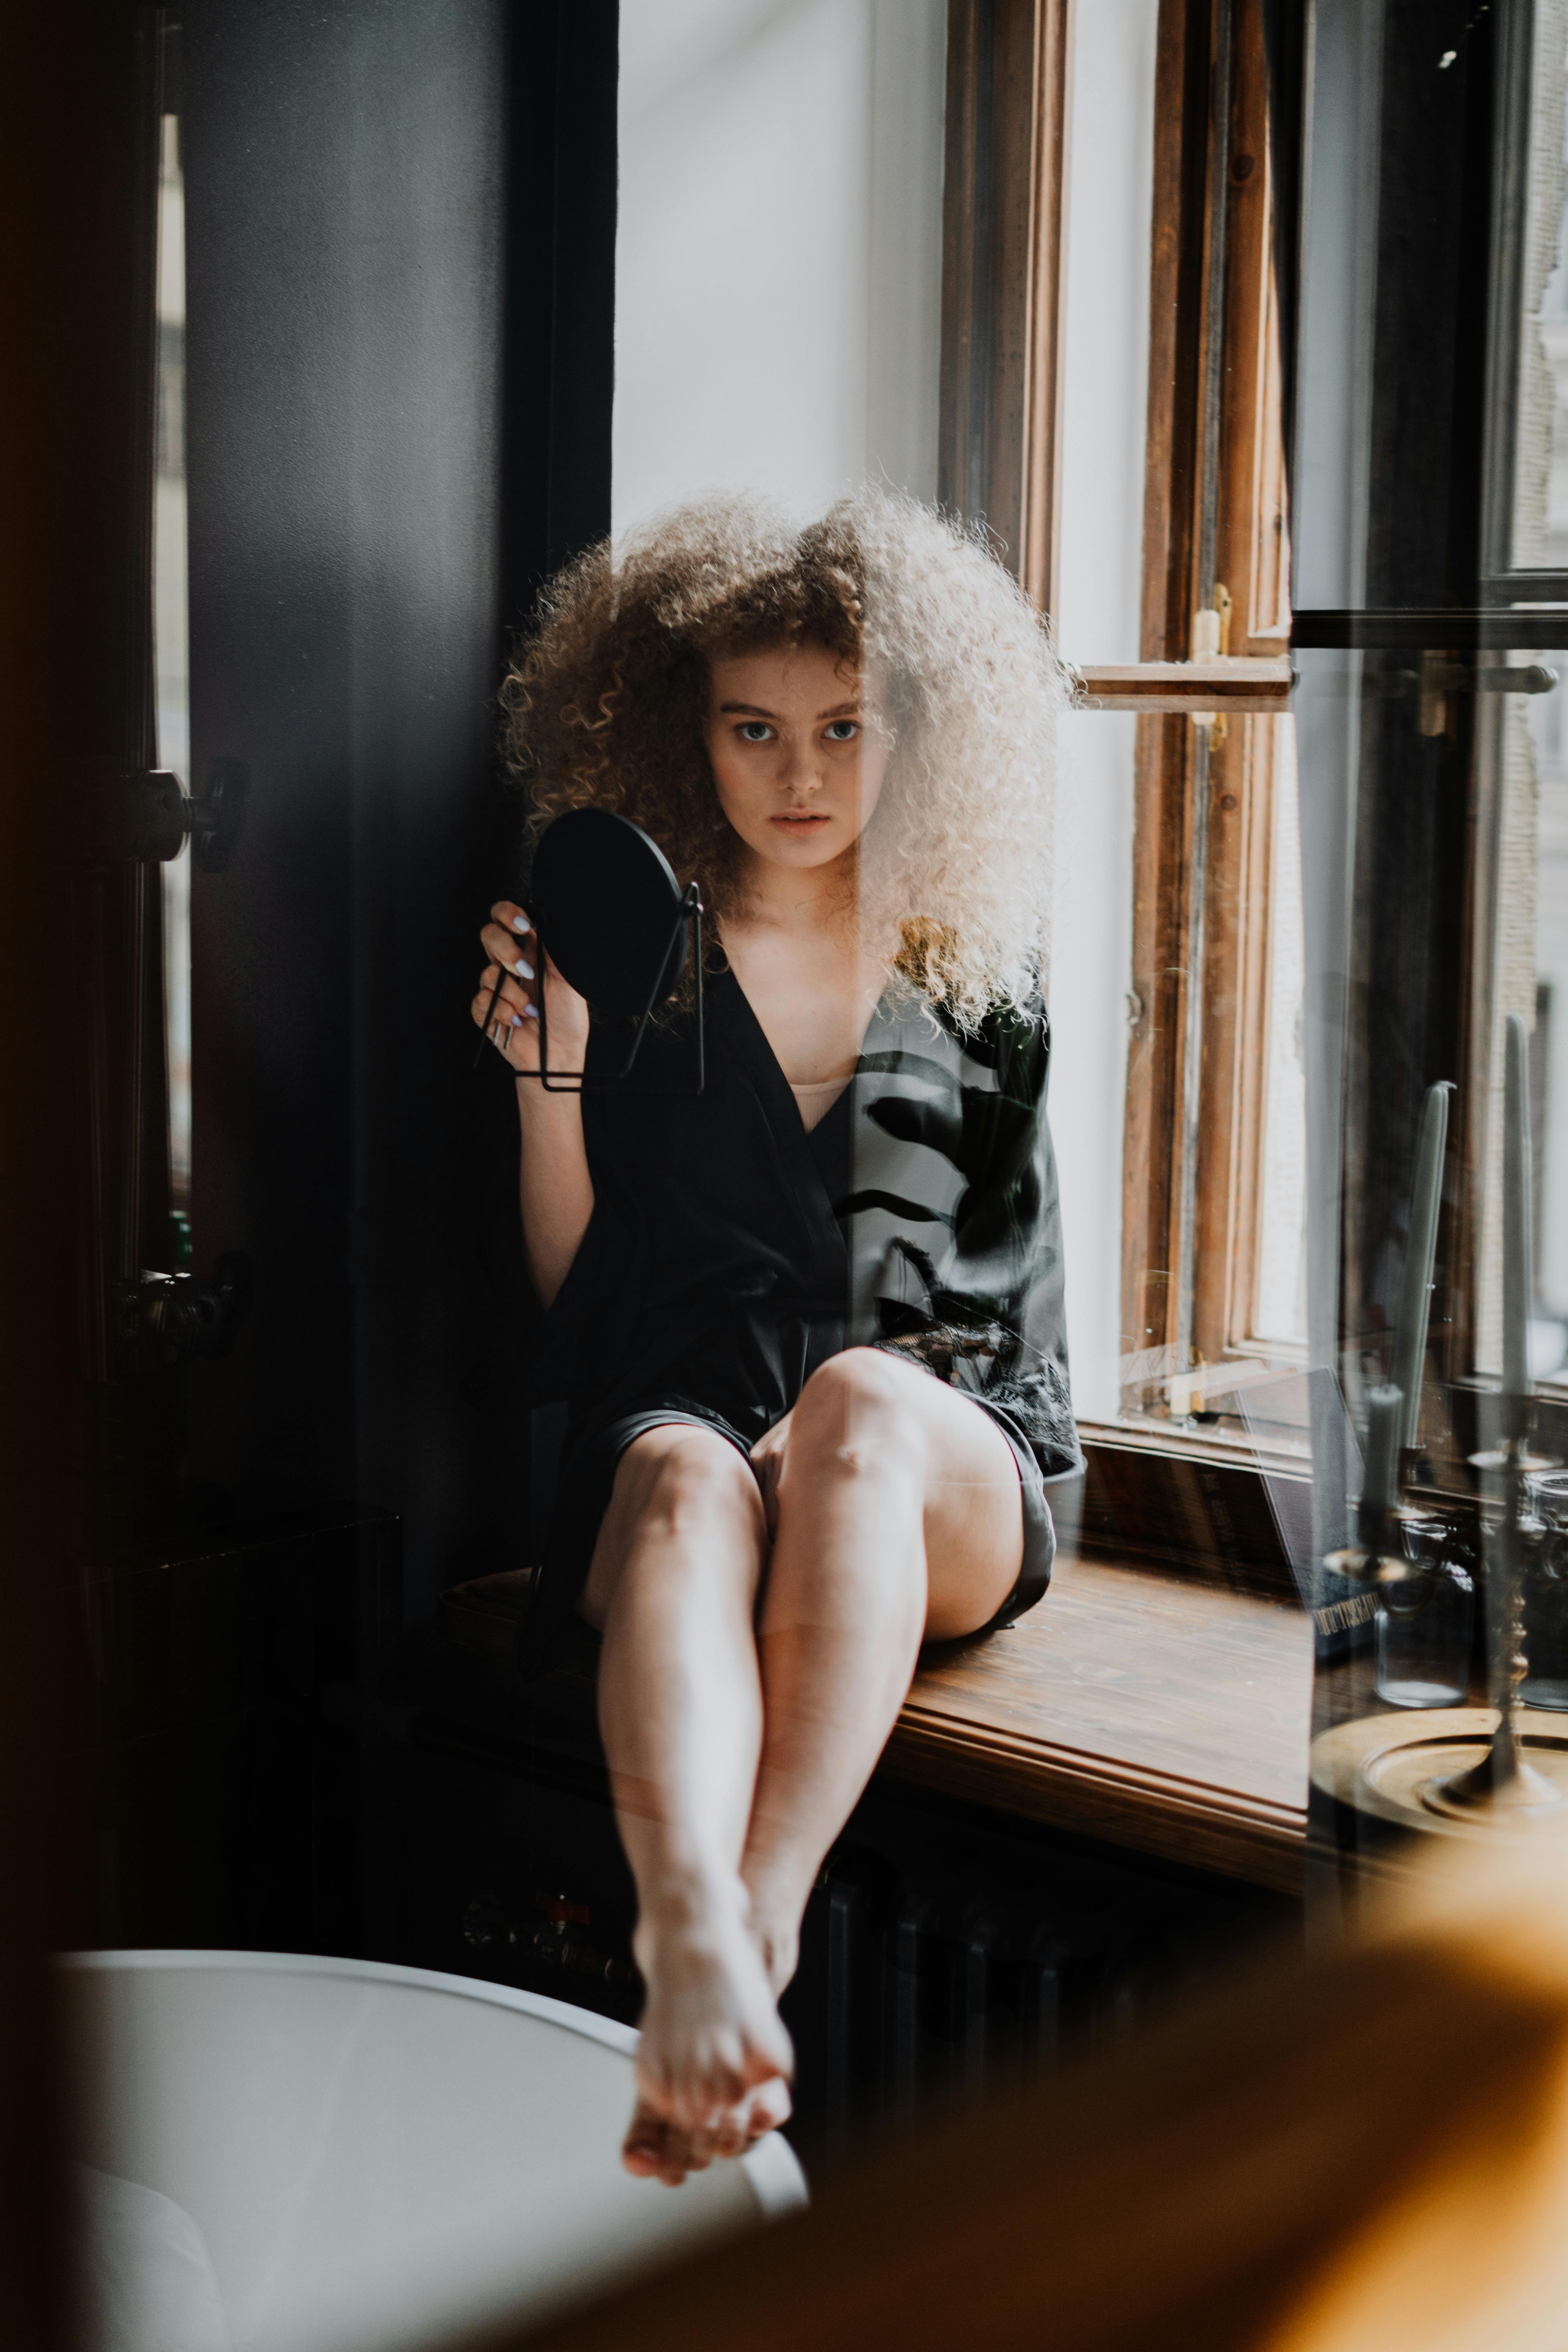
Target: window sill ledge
1132, 1706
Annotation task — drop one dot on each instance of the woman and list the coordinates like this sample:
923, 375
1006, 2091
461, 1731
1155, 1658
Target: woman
810, 1321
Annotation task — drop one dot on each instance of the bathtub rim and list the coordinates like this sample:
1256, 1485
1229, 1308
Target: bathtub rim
772, 2168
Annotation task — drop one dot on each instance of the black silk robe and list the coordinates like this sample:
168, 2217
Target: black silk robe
717, 1272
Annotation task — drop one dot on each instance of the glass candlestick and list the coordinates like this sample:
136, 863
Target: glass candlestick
1425, 1620
1543, 1563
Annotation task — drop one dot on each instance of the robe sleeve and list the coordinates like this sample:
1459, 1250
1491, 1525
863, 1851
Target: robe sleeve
585, 1336
1016, 1219
987, 1310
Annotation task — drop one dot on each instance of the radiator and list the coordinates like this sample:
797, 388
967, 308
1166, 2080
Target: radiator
913, 1991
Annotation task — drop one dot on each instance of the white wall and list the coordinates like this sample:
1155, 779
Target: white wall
779, 249
777, 289
1106, 352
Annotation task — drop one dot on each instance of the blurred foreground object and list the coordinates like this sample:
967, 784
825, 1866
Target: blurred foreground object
1365, 2152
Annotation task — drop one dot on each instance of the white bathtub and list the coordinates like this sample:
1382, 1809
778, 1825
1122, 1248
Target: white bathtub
287, 2154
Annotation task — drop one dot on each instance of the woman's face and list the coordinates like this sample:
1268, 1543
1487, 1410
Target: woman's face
798, 771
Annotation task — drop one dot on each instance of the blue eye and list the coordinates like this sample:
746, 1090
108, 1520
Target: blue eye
754, 730
843, 730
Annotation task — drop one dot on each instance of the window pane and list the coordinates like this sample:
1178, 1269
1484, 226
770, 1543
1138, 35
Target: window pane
1548, 734
1281, 1309
1541, 443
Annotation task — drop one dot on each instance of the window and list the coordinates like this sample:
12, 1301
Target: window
1520, 915
1212, 1297
1211, 1276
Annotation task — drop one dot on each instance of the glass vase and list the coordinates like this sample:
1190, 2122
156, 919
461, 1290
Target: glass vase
1425, 1620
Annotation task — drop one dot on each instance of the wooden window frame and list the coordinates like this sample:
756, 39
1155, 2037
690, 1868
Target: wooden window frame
1216, 544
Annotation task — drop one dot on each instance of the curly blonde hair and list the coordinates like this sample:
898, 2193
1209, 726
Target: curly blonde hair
606, 703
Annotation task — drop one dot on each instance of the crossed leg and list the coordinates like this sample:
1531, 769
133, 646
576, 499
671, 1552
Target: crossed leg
739, 1737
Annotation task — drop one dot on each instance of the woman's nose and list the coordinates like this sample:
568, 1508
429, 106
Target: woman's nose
802, 770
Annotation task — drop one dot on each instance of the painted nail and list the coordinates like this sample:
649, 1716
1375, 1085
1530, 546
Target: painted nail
515, 1019
523, 968
531, 1011
520, 923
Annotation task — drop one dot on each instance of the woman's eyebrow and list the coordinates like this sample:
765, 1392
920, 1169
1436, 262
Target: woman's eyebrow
755, 711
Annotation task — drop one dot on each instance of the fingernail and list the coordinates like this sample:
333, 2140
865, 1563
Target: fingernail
515, 1019
520, 923
523, 968
531, 1011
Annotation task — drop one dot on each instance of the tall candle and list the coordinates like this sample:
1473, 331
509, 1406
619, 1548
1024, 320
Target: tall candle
1420, 1256
1385, 1423
1517, 1284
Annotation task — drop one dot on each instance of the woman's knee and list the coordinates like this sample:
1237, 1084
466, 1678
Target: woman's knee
690, 1491
679, 1479
859, 1412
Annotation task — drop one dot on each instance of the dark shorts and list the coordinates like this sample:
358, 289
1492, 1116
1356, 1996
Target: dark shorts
587, 1473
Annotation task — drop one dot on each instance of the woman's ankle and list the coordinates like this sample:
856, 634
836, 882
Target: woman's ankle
690, 1900
775, 1911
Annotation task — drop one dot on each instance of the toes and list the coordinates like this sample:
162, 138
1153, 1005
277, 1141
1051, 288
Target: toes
654, 2150
660, 2147
644, 2149
702, 2146
711, 2080
768, 2106
731, 2133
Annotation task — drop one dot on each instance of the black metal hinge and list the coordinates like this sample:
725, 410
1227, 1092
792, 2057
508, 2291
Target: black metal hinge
146, 816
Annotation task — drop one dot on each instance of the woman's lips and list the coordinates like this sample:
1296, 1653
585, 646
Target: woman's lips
799, 820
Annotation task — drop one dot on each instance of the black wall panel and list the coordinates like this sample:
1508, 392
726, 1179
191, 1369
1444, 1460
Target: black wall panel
372, 251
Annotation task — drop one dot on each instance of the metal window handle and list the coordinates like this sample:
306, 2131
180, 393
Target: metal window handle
1440, 676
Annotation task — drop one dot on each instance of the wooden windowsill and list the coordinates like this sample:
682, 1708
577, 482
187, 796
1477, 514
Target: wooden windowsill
1243, 683
1150, 1712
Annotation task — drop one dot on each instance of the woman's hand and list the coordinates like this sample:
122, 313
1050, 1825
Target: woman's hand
511, 945
555, 1190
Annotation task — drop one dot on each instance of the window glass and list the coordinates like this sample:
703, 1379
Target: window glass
1548, 730
1280, 1310
1541, 437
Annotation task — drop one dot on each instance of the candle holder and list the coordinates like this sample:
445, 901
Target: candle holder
1452, 1767
1503, 1780
1475, 1771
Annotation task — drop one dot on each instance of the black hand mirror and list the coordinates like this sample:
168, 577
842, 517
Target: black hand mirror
611, 915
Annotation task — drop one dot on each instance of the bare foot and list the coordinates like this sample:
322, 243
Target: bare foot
713, 2058
778, 1937
657, 2149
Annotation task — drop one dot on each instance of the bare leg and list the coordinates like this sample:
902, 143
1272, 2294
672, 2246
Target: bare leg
898, 1513
673, 1584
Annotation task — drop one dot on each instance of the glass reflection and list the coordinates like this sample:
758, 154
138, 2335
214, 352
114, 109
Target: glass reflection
1540, 445
1549, 1060
171, 632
